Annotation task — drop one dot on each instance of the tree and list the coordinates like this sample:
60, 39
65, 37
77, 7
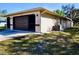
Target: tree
59, 12
68, 10
76, 16
71, 12
76, 13
2, 13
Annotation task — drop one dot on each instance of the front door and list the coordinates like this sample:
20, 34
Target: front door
8, 22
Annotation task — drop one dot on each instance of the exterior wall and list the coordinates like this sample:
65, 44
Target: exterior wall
66, 23
38, 22
11, 23
71, 23
47, 22
63, 24
60, 23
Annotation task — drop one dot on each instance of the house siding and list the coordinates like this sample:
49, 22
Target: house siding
38, 22
66, 24
47, 23
69, 24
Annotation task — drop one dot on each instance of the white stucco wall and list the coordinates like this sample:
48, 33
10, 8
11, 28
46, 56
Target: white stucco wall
69, 24
63, 23
38, 21
11, 23
47, 22
66, 24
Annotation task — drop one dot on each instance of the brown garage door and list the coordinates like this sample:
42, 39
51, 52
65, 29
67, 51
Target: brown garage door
21, 23
26, 22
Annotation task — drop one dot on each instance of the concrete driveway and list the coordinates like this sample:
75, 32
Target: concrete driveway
9, 34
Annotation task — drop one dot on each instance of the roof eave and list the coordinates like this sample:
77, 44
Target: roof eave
37, 9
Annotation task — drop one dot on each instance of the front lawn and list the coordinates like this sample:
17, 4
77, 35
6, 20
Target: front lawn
74, 31
54, 43
2, 28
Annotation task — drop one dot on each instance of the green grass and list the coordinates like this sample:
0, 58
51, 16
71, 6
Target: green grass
2, 28
54, 43
74, 32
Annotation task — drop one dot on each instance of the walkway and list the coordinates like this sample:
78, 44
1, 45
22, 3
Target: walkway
9, 34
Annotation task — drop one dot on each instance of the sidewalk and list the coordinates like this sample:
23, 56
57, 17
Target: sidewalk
3, 38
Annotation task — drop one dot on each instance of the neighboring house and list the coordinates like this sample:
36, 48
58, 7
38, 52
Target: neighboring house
2, 21
37, 20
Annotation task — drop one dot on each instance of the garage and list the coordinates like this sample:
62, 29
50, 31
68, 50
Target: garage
25, 22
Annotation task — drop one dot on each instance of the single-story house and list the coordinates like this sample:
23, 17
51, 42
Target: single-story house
2, 21
37, 20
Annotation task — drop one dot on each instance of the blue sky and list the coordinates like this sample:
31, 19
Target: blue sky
14, 7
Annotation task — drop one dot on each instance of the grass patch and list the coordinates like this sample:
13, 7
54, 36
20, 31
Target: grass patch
48, 43
54, 43
74, 32
2, 28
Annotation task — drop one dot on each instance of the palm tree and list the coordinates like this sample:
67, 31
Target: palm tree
59, 12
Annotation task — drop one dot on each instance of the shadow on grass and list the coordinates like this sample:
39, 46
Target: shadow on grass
54, 46
73, 31
55, 43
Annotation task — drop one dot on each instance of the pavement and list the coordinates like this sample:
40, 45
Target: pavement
9, 34
2, 38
